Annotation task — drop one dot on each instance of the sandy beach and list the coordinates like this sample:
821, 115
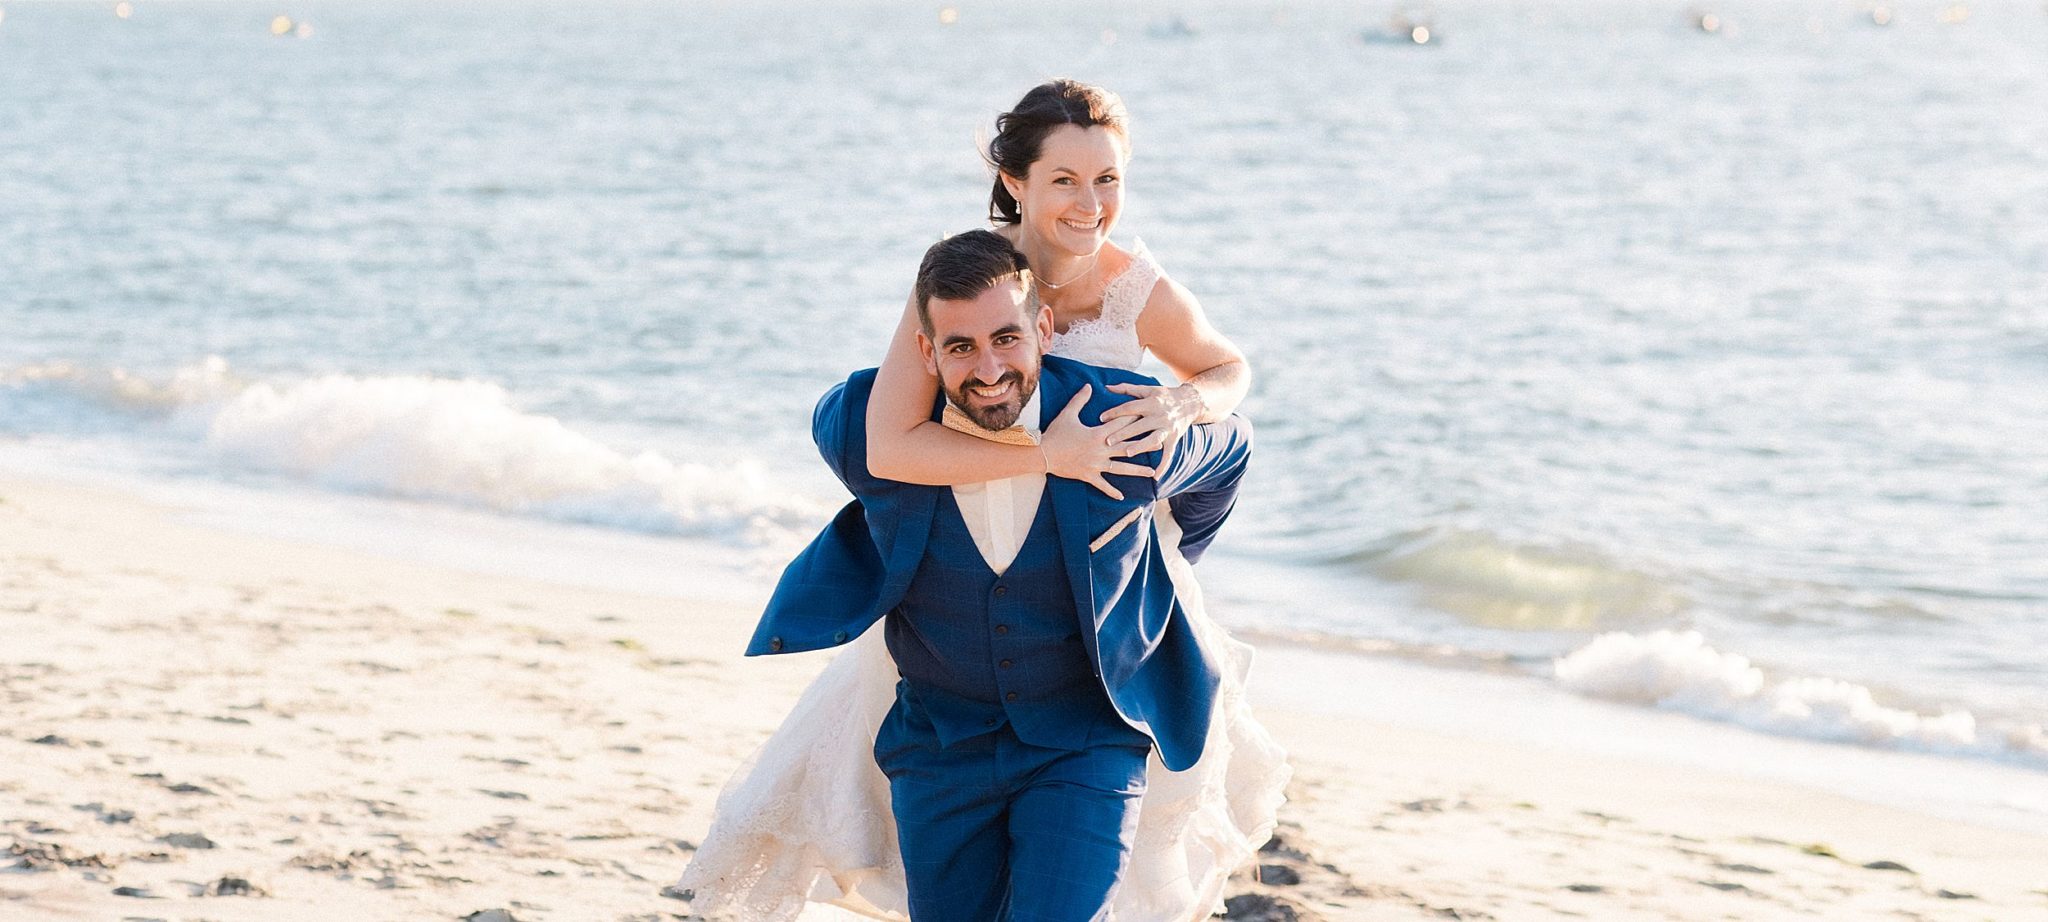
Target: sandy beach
210, 725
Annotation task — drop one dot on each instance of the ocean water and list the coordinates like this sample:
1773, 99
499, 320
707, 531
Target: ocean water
1702, 372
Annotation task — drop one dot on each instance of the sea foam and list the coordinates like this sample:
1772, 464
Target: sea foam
1679, 671
462, 442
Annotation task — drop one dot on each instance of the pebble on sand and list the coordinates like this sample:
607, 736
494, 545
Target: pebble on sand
187, 840
233, 886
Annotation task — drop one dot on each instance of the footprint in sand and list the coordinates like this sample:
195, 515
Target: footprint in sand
1278, 875
49, 856
1743, 868
1725, 886
1260, 907
110, 817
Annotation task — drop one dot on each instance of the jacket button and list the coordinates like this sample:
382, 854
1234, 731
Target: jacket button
1010, 697
1005, 664
1002, 629
839, 637
989, 722
775, 645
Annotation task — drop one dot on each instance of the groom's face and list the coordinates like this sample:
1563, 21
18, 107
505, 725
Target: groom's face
986, 351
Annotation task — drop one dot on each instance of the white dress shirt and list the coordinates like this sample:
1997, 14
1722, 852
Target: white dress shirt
999, 512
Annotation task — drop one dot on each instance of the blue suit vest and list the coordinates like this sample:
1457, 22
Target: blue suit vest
977, 650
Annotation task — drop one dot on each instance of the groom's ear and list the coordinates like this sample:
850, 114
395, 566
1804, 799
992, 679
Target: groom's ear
1044, 329
925, 348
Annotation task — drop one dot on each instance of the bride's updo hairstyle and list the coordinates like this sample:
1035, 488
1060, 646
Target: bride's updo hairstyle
1021, 132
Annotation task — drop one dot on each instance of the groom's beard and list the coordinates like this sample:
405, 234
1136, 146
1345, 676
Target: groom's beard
994, 416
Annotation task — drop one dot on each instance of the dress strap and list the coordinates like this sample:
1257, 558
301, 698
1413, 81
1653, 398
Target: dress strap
1123, 299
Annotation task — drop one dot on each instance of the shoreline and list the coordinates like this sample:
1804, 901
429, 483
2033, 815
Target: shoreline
355, 736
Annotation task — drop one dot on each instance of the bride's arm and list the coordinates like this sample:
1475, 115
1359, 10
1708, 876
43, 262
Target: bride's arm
906, 446
1214, 374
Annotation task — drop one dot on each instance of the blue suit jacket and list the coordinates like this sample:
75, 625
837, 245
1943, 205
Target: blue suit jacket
1159, 678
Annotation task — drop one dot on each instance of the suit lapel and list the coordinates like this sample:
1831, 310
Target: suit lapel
1057, 383
1070, 514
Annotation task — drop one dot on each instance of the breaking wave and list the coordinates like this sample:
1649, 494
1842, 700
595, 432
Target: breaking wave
1678, 671
463, 442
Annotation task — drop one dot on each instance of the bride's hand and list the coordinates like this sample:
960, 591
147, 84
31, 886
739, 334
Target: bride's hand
1078, 451
1159, 417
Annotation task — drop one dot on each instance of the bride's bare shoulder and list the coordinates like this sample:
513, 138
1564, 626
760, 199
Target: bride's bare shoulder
1114, 259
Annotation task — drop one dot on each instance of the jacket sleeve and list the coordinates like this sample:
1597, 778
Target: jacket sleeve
839, 427
1202, 478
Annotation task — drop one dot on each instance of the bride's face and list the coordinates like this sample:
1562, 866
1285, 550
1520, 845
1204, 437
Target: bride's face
1075, 190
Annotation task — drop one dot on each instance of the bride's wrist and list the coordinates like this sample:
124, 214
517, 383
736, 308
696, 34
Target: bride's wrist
1190, 397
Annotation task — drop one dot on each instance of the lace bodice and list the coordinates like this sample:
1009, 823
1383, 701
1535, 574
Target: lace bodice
1111, 339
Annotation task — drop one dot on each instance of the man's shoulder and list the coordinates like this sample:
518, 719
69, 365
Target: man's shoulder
840, 417
854, 390
862, 380
1099, 375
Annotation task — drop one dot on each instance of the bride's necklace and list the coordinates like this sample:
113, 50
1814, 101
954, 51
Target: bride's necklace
1042, 283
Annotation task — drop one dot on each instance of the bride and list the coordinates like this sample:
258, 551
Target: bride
807, 819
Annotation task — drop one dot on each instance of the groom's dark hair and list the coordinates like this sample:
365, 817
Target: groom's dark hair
961, 267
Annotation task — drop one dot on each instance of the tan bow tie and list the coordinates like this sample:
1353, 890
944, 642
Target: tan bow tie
958, 420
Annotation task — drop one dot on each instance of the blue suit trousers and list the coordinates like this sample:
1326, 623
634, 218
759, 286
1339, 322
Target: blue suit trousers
994, 829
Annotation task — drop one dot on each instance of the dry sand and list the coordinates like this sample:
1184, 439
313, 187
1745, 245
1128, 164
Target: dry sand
206, 725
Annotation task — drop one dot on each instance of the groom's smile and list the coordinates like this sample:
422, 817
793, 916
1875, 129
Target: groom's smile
999, 392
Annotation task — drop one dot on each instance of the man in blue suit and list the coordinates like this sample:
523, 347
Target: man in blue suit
1042, 650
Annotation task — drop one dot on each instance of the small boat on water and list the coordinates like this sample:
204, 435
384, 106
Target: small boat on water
1405, 27
1174, 26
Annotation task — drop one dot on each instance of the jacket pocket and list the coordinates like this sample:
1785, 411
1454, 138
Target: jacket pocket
1115, 530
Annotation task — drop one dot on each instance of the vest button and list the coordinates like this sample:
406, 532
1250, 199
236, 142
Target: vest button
1010, 697
839, 637
1002, 629
1002, 590
775, 645
1005, 664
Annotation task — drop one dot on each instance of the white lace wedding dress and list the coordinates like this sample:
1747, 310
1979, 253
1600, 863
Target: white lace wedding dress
804, 831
